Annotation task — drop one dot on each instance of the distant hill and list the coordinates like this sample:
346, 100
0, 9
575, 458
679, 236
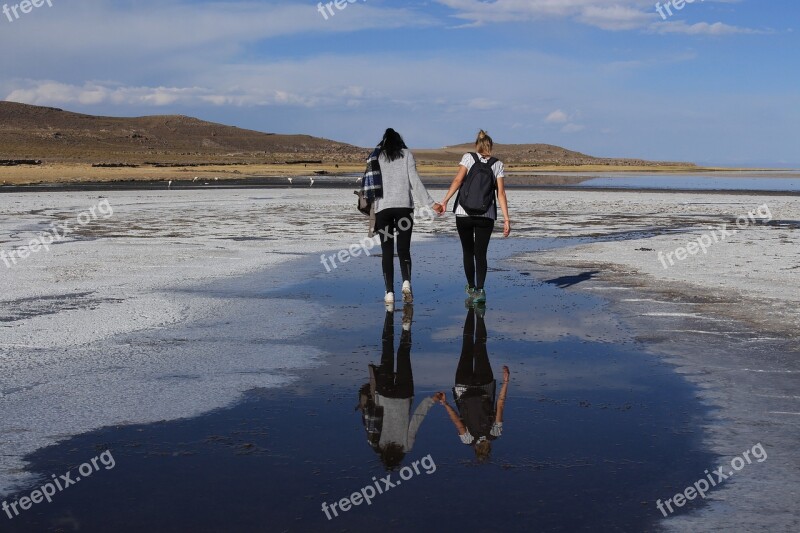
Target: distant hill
534, 155
29, 132
34, 132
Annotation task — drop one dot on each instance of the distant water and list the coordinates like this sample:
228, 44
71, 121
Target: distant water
751, 181
777, 181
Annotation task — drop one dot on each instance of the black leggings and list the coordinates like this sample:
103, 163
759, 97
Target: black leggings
475, 233
387, 222
473, 366
391, 383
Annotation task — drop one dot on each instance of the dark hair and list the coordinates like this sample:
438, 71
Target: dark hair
391, 455
392, 145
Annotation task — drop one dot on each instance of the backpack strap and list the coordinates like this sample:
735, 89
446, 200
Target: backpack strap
476, 157
491, 162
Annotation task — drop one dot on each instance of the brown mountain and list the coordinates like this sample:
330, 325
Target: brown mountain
55, 135
533, 155
30, 132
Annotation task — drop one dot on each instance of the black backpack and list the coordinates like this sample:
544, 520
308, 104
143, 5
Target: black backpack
476, 194
477, 413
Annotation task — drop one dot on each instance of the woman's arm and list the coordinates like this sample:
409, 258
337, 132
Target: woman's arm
417, 418
457, 181
442, 399
501, 402
418, 190
501, 198
460, 427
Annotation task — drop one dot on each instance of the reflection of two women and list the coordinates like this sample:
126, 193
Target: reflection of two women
386, 401
477, 418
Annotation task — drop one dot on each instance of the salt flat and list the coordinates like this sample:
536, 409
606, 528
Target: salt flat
74, 317
68, 365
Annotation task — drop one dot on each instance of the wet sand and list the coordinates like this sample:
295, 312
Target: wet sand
270, 461
728, 320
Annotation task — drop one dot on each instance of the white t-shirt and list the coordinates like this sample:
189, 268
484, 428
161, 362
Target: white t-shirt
496, 431
499, 173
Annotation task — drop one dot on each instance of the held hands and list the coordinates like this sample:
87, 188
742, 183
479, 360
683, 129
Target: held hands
439, 208
440, 397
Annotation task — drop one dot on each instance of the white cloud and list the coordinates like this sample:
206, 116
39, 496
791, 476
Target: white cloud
614, 17
700, 28
621, 15
556, 117
618, 15
47, 92
154, 32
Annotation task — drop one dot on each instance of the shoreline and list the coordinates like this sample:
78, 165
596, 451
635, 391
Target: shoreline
77, 173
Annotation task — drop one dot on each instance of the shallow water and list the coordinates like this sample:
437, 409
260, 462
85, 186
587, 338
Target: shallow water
595, 430
768, 182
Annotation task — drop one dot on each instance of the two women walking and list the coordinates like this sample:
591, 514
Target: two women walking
393, 185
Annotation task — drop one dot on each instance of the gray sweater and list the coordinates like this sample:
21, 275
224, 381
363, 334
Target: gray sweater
401, 184
399, 426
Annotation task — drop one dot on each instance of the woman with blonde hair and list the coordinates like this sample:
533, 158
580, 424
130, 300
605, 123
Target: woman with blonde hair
479, 184
477, 417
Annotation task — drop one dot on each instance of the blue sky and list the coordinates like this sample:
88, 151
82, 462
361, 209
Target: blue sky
715, 83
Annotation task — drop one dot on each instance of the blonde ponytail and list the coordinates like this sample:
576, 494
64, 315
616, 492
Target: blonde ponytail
484, 143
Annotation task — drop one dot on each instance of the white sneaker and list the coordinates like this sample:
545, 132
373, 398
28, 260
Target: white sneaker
408, 297
389, 298
408, 317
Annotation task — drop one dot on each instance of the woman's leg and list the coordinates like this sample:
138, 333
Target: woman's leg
384, 373
405, 227
465, 368
384, 225
466, 232
483, 368
483, 233
404, 378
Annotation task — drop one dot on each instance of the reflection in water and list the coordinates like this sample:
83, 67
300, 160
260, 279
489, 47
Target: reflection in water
386, 401
479, 420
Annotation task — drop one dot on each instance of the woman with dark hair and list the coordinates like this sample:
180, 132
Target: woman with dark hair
394, 186
475, 229
386, 401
